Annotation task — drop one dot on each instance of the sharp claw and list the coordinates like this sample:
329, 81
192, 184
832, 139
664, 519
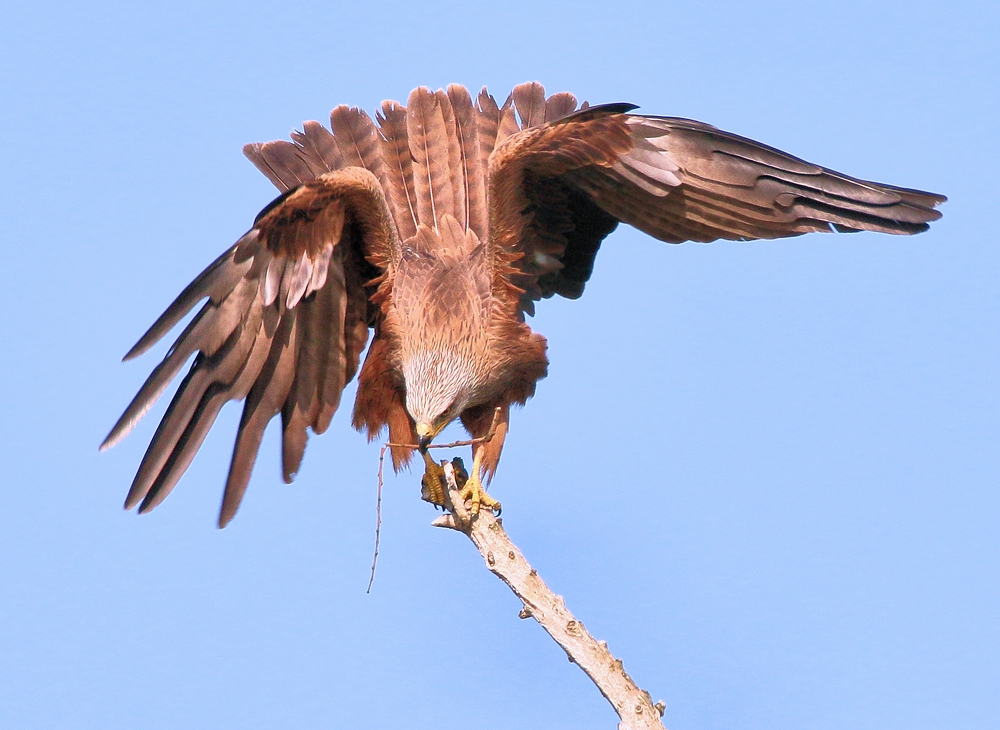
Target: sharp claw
473, 490
432, 482
432, 486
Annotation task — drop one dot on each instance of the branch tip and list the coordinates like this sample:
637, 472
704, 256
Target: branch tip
633, 705
446, 520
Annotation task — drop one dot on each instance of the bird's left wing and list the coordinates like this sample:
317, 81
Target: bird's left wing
557, 189
284, 324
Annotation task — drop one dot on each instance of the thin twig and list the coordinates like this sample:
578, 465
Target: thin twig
455, 444
378, 517
381, 463
633, 705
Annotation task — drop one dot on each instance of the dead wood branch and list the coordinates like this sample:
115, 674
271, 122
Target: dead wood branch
633, 705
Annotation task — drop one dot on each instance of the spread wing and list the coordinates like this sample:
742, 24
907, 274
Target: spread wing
563, 186
283, 328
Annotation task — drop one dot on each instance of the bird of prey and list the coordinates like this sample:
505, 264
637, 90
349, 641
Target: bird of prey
438, 226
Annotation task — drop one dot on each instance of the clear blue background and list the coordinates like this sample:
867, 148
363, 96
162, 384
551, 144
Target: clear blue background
765, 473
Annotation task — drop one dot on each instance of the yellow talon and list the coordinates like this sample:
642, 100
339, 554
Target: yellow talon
474, 490
432, 482
432, 485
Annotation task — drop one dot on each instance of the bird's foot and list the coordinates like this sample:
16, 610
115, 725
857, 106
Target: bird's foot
474, 490
432, 482
432, 485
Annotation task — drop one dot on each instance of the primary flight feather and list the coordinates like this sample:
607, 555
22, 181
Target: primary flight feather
438, 226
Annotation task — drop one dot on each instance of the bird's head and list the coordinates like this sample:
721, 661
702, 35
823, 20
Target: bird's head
438, 387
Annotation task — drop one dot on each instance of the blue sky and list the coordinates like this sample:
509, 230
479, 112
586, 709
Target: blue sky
765, 473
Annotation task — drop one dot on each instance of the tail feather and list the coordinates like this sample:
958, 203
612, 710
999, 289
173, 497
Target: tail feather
281, 162
427, 136
508, 121
472, 160
357, 138
319, 147
399, 167
487, 125
559, 105
456, 166
529, 100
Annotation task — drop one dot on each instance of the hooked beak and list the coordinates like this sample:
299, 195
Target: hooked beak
426, 434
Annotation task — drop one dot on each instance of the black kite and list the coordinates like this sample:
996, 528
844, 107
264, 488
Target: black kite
438, 227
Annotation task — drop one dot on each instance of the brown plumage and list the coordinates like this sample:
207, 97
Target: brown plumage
438, 226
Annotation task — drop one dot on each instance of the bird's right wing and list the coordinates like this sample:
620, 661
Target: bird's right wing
284, 326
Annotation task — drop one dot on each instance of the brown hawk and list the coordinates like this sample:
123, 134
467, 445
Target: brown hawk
438, 225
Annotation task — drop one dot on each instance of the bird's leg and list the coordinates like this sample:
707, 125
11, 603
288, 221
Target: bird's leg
432, 482
475, 491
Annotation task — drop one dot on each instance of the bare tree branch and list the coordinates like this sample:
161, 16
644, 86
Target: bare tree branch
633, 705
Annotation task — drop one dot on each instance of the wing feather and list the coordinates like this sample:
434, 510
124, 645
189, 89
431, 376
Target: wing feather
752, 174
357, 317
216, 396
197, 402
301, 398
271, 332
675, 179
263, 401
215, 282
321, 369
333, 376
207, 332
